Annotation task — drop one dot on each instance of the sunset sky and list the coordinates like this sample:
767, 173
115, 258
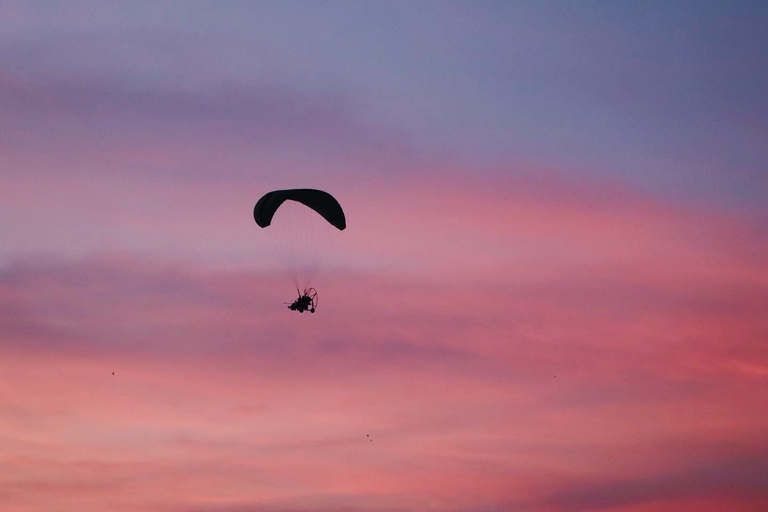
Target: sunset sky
552, 294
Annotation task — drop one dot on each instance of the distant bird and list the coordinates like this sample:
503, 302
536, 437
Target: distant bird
113, 373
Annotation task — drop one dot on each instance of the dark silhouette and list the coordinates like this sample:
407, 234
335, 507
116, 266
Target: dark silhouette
319, 201
306, 301
322, 202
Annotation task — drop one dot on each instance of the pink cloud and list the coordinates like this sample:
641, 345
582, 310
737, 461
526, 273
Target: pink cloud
222, 398
509, 345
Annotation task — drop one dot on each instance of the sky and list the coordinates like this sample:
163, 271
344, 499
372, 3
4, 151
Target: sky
550, 295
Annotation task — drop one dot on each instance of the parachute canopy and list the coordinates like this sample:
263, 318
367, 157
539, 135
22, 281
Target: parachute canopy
321, 202
300, 230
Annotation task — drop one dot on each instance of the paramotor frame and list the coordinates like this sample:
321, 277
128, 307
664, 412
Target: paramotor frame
306, 301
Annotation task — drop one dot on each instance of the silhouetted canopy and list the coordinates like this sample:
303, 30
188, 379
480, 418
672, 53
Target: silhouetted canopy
322, 202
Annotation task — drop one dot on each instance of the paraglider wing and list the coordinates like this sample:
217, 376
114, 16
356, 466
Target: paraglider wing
322, 202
